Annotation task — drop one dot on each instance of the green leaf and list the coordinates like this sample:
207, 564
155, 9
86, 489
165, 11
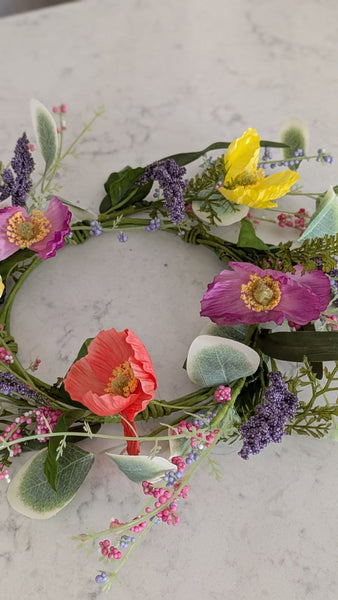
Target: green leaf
45, 131
318, 346
122, 187
216, 360
325, 221
11, 263
225, 214
179, 446
51, 465
247, 237
83, 350
233, 332
30, 493
142, 468
294, 134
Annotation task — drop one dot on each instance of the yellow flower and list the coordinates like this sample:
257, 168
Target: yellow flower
244, 183
2, 287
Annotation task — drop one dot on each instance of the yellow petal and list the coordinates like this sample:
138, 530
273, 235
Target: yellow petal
2, 287
261, 194
242, 155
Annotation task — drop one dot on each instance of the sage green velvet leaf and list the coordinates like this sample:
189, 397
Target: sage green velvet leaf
30, 493
233, 332
225, 214
179, 445
45, 131
216, 360
51, 465
142, 468
247, 237
325, 221
295, 135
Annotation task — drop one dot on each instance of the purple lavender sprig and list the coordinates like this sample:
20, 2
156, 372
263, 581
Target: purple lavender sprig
12, 386
169, 176
22, 164
268, 424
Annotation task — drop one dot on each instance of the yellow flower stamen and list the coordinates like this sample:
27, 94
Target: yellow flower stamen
261, 293
123, 381
24, 232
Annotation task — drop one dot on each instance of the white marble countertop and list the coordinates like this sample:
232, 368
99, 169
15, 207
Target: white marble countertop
174, 76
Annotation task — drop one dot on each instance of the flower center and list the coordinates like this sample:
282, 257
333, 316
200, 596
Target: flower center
24, 232
246, 178
123, 381
261, 293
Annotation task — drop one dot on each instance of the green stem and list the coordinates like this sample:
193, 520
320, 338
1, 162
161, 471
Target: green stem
5, 314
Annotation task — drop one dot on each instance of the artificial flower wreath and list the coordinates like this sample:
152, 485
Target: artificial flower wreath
242, 393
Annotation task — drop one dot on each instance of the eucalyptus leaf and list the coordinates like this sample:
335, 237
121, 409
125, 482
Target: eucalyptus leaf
45, 131
247, 237
29, 492
226, 215
216, 360
325, 221
142, 468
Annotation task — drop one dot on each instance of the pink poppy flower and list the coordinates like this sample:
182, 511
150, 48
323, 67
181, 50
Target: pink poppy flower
115, 377
44, 233
248, 294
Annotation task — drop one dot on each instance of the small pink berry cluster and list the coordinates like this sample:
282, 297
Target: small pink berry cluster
298, 220
13, 432
36, 364
41, 416
4, 473
222, 394
161, 495
253, 219
331, 321
108, 550
61, 109
6, 356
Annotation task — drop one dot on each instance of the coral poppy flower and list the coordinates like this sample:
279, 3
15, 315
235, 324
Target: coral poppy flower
248, 294
115, 377
43, 233
244, 183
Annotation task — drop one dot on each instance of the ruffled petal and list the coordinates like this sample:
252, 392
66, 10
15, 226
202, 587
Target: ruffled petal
317, 281
108, 350
59, 217
81, 378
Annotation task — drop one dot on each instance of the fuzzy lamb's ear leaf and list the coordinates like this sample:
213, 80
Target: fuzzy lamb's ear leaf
45, 131
142, 468
30, 493
295, 135
216, 360
325, 221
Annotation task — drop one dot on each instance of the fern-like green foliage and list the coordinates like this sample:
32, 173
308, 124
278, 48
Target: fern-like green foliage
309, 254
316, 417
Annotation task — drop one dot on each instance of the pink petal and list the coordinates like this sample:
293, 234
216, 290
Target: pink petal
317, 281
59, 216
6, 247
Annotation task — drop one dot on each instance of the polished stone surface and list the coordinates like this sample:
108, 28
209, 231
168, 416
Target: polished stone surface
173, 77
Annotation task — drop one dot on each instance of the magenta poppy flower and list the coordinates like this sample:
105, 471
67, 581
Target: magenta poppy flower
248, 294
44, 233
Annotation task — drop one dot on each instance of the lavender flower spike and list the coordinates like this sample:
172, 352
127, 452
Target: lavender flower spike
23, 165
169, 176
268, 424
